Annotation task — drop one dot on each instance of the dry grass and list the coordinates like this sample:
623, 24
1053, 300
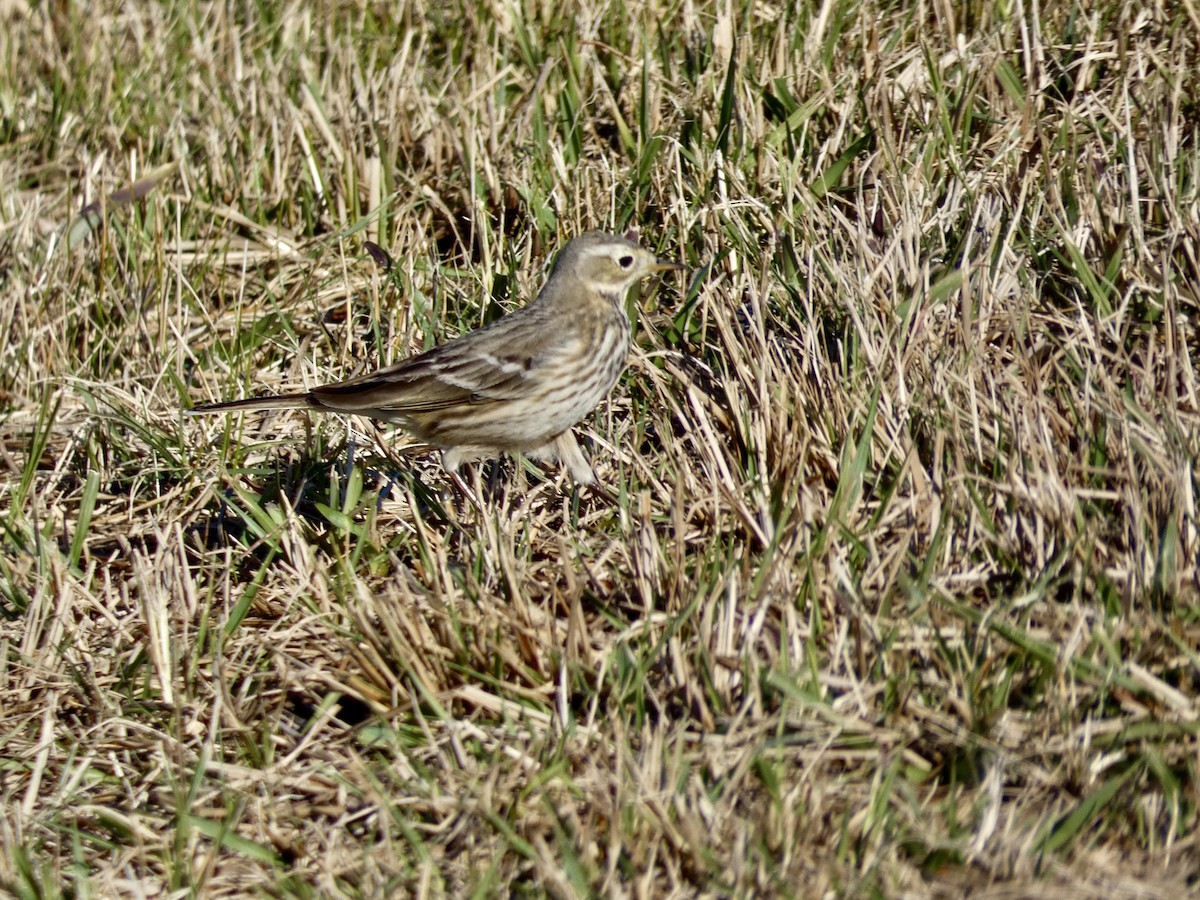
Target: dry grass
895, 593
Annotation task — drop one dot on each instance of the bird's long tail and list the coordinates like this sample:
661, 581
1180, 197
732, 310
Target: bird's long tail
279, 401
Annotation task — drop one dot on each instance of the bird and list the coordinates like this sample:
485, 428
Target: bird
519, 384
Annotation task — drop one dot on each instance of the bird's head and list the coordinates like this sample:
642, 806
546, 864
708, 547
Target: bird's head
607, 263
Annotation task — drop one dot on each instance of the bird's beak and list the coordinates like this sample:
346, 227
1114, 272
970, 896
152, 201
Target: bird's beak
662, 265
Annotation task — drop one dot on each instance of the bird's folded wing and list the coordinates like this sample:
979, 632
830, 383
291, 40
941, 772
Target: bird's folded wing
436, 380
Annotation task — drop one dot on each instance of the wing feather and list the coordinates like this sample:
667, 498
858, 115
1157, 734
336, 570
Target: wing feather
480, 367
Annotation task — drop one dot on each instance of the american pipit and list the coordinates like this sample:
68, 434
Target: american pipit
519, 384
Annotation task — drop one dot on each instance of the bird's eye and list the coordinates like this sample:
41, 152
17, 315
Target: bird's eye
626, 262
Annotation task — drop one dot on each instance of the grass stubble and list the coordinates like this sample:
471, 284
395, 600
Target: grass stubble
896, 591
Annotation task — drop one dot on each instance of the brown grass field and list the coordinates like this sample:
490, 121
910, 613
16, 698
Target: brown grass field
891, 585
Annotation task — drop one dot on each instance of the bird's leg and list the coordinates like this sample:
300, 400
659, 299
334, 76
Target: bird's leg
581, 470
566, 449
496, 482
465, 490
